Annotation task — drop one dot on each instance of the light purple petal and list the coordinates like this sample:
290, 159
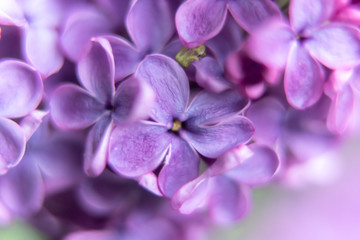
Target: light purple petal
96, 70
133, 101
197, 21
257, 168
11, 13
210, 107
303, 78
21, 88
214, 139
21, 189
341, 110
307, 14
126, 57
115, 10
229, 201
137, 149
93, 234
32, 122
251, 13
96, 147
150, 24
170, 84
270, 43
79, 28
336, 46
210, 75
74, 108
181, 165
42, 49
149, 181
12, 144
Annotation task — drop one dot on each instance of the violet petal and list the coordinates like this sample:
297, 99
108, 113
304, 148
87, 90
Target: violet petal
21, 88
137, 149
181, 165
170, 84
11, 13
74, 108
197, 21
303, 78
96, 70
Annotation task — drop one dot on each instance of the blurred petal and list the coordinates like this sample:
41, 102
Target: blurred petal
96, 70
210, 107
181, 166
79, 28
197, 21
11, 13
42, 50
74, 108
229, 201
210, 75
335, 46
32, 122
21, 89
170, 84
126, 57
21, 189
96, 147
12, 144
133, 101
251, 13
270, 43
307, 14
256, 169
138, 149
212, 140
94, 234
303, 78
150, 24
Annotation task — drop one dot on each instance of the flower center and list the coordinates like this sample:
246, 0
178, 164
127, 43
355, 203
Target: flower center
186, 56
176, 126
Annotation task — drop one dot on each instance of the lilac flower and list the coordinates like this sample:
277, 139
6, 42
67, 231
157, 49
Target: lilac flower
224, 186
21, 90
211, 125
73, 107
198, 20
302, 45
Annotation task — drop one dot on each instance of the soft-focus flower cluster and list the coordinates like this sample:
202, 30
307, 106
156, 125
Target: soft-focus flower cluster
121, 118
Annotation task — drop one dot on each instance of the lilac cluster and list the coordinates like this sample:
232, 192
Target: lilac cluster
119, 118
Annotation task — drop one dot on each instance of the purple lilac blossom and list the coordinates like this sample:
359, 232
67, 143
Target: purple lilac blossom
210, 125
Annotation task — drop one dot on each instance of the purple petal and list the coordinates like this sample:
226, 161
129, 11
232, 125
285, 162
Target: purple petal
197, 21
336, 46
149, 181
133, 101
42, 50
115, 10
341, 110
150, 24
79, 28
268, 129
96, 147
137, 149
181, 166
96, 70
303, 78
21, 89
94, 234
229, 201
126, 57
251, 13
74, 108
21, 189
32, 122
12, 144
170, 84
11, 13
270, 43
307, 14
256, 169
209, 75
212, 140
210, 107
